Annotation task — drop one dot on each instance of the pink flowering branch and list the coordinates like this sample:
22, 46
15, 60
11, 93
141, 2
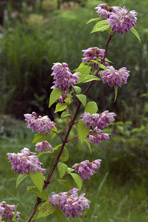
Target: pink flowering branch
47, 181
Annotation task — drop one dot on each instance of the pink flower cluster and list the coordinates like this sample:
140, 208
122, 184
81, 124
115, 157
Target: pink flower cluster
41, 124
85, 169
96, 122
96, 135
94, 54
120, 19
115, 77
25, 162
70, 203
63, 78
7, 211
43, 146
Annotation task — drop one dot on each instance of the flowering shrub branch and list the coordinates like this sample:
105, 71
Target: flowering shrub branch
94, 67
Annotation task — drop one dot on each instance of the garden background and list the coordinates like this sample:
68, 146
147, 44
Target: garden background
34, 35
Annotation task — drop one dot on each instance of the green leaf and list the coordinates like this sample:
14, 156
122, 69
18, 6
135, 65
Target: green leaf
20, 179
62, 168
65, 155
116, 93
41, 137
83, 131
134, 31
82, 99
87, 78
77, 89
91, 107
88, 145
44, 153
65, 114
65, 183
77, 180
55, 94
56, 147
38, 180
43, 195
83, 69
45, 210
68, 99
93, 20
69, 170
60, 107
100, 65
103, 66
101, 26
1, 219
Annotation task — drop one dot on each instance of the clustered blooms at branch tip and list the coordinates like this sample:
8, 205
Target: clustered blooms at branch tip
63, 78
7, 211
97, 122
43, 146
41, 124
119, 19
70, 203
115, 77
94, 53
85, 169
25, 162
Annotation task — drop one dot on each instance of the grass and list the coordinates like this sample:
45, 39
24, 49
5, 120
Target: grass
112, 200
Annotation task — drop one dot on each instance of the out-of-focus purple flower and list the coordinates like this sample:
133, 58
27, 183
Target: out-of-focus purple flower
94, 54
25, 162
115, 77
41, 124
63, 78
104, 11
121, 20
85, 169
70, 203
96, 136
98, 120
7, 211
43, 146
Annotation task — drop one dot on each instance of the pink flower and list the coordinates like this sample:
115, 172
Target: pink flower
70, 203
7, 211
85, 169
43, 146
115, 77
25, 162
41, 124
63, 78
121, 20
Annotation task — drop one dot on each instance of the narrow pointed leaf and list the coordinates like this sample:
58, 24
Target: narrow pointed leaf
20, 179
83, 131
38, 180
60, 107
93, 20
54, 96
101, 26
82, 99
134, 31
62, 168
77, 179
116, 93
